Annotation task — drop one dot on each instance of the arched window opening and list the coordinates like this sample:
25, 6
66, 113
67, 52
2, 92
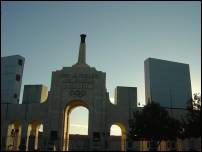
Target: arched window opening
78, 131
76, 127
78, 121
117, 140
115, 130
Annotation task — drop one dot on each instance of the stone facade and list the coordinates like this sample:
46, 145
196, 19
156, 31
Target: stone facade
79, 85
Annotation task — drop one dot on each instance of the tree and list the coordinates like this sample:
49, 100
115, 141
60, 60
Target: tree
153, 123
197, 101
192, 121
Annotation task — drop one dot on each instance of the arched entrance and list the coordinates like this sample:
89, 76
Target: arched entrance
117, 137
13, 136
69, 108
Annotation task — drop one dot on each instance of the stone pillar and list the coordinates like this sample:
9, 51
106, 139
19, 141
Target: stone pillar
36, 137
123, 141
45, 136
66, 133
23, 140
33, 138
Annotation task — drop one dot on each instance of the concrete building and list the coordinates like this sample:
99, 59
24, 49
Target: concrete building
35, 93
78, 85
11, 78
167, 83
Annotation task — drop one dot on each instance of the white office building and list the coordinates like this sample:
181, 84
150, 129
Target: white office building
11, 78
167, 83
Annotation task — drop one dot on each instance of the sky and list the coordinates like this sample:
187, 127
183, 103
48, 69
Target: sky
120, 36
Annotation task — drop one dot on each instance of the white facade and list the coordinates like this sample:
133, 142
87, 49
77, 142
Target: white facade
167, 83
11, 78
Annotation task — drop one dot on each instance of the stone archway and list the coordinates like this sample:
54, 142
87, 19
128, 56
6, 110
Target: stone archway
78, 85
68, 109
123, 135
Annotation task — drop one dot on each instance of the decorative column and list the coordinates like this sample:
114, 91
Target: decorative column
82, 53
82, 50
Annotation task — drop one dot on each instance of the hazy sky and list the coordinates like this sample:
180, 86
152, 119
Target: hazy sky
120, 36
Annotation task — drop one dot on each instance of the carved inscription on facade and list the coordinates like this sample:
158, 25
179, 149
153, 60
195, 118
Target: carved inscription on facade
78, 83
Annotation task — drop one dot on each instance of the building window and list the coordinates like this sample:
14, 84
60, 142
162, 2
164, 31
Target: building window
17, 77
15, 95
20, 62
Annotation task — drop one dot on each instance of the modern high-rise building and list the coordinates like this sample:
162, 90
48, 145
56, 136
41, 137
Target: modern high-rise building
35, 94
11, 78
167, 83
